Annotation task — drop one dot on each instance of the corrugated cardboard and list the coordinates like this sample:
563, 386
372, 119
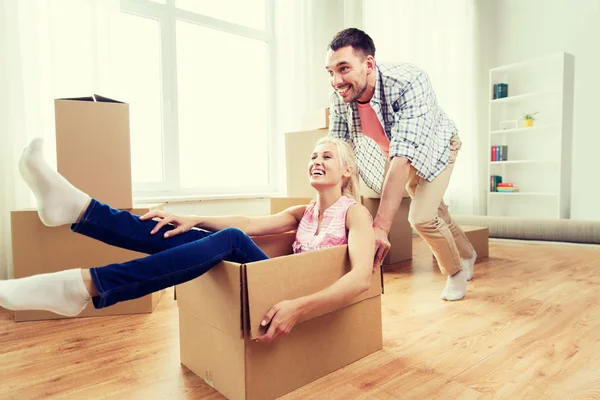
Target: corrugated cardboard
479, 238
93, 147
220, 313
40, 249
400, 235
316, 119
298, 148
278, 204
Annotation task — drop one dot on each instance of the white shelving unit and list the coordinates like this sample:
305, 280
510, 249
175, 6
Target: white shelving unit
539, 157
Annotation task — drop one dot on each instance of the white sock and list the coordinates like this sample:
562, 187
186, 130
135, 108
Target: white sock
61, 292
469, 265
59, 202
456, 286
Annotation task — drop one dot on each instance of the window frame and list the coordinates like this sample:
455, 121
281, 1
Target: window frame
167, 15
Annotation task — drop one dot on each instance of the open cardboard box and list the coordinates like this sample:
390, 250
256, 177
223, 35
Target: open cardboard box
278, 204
400, 235
316, 119
38, 249
479, 237
220, 314
93, 150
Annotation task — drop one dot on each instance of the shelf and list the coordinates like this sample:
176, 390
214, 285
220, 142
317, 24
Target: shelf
519, 97
540, 194
528, 63
524, 162
522, 130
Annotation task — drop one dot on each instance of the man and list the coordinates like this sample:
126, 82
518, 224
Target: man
403, 141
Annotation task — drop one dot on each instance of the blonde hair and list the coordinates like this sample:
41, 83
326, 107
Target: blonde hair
351, 186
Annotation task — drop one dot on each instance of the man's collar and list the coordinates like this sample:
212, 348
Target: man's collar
378, 87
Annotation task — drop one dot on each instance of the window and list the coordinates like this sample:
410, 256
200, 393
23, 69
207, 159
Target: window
195, 73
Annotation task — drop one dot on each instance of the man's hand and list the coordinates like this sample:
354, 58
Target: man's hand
282, 317
181, 223
382, 245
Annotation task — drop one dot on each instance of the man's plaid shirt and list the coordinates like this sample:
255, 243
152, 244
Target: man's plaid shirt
417, 127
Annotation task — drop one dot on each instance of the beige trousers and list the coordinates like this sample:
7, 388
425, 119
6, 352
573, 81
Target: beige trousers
429, 216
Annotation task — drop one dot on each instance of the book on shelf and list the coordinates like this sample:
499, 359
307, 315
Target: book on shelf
506, 187
500, 91
499, 153
494, 181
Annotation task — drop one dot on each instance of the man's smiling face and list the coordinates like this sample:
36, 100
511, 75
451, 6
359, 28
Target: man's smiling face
348, 70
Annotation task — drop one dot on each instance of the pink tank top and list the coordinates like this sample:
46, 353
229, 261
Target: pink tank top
333, 227
372, 128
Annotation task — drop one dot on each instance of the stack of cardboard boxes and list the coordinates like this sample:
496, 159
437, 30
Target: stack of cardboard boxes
94, 154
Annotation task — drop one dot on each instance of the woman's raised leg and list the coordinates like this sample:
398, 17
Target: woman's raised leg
65, 292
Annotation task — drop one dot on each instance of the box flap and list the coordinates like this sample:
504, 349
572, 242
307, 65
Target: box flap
86, 98
288, 277
215, 297
276, 245
93, 98
103, 99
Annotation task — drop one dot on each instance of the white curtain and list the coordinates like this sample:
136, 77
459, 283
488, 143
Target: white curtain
302, 31
440, 37
50, 49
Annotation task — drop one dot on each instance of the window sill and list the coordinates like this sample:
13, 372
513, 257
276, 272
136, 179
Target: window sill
173, 198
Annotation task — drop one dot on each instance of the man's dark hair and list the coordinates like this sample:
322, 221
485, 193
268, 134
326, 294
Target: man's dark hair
356, 38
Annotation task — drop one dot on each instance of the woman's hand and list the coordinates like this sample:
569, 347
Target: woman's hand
181, 223
283, 317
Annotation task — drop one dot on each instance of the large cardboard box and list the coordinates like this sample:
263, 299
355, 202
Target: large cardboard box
298, 148
40, 249
220, 313
316, 119
401, 234
278, 204
479, 238
93, 149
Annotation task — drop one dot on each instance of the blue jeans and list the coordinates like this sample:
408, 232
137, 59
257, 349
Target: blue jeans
172, 261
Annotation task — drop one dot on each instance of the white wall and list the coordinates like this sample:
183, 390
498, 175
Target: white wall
247, 207
515, 30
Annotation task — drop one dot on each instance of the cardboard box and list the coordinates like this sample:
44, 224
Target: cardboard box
93, 147
316, 119
40, 249
278, 204
220, 313
479, 238
298, 148
401, 234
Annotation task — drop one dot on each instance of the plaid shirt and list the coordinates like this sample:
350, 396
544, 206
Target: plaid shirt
417, 127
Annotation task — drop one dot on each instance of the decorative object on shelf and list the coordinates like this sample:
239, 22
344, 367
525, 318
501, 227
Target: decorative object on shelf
528, 119
508, 124
500, 90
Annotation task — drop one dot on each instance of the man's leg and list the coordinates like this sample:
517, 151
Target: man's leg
424, 218
465, 248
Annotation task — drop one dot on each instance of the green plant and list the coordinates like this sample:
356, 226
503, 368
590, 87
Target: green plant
530, 116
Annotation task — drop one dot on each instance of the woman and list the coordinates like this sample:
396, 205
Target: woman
179, 251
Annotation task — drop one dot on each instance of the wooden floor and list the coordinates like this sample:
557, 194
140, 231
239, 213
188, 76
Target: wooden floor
529, 328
